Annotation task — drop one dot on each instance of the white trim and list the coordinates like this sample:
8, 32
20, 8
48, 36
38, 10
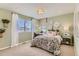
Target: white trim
32, 35
14, 45
4, 48
20, 43
23, 42
74, 30
14, 32
76, 37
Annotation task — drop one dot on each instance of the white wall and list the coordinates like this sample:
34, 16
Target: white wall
6, 40
66, 21
25, 36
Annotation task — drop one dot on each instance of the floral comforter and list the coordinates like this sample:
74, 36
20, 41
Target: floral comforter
51, 44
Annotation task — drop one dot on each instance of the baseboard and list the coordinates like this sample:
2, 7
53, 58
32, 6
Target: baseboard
23, 42
14, 45
20, 43
4, 48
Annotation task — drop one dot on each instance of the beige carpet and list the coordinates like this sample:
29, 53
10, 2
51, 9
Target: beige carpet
26, 50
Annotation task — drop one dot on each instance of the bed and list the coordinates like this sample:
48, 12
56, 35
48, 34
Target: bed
48, 43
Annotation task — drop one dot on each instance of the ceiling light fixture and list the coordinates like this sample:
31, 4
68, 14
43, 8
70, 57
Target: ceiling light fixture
40, 11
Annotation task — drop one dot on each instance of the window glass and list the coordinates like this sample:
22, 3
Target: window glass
43, 28
20, 25
24, 25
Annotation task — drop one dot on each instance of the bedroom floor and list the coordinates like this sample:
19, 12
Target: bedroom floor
26, 50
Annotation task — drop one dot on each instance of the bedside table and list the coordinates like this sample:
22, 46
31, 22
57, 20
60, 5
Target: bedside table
67, 38
66, 41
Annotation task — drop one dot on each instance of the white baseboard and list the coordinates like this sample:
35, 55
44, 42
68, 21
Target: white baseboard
4, 48
20, 43
14, 45
23, 42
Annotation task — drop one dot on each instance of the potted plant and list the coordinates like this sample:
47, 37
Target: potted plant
5, 22
1, 32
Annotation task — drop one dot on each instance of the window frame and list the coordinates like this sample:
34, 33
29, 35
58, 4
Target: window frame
25, 21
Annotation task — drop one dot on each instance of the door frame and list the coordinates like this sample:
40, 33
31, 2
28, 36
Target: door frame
14, 31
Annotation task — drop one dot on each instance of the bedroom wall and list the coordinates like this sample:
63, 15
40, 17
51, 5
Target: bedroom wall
65, 20
36, 25
6, 40
24, 36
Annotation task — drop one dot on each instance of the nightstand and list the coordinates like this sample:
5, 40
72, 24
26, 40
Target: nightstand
67, 39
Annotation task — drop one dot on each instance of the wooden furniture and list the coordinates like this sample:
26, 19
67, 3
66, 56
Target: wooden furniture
68, 39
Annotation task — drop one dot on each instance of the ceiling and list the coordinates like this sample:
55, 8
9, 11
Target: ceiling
29, 9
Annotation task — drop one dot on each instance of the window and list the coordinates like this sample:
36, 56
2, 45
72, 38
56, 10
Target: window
33, 28
43, 28
28, 25
24, 25
20, 25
